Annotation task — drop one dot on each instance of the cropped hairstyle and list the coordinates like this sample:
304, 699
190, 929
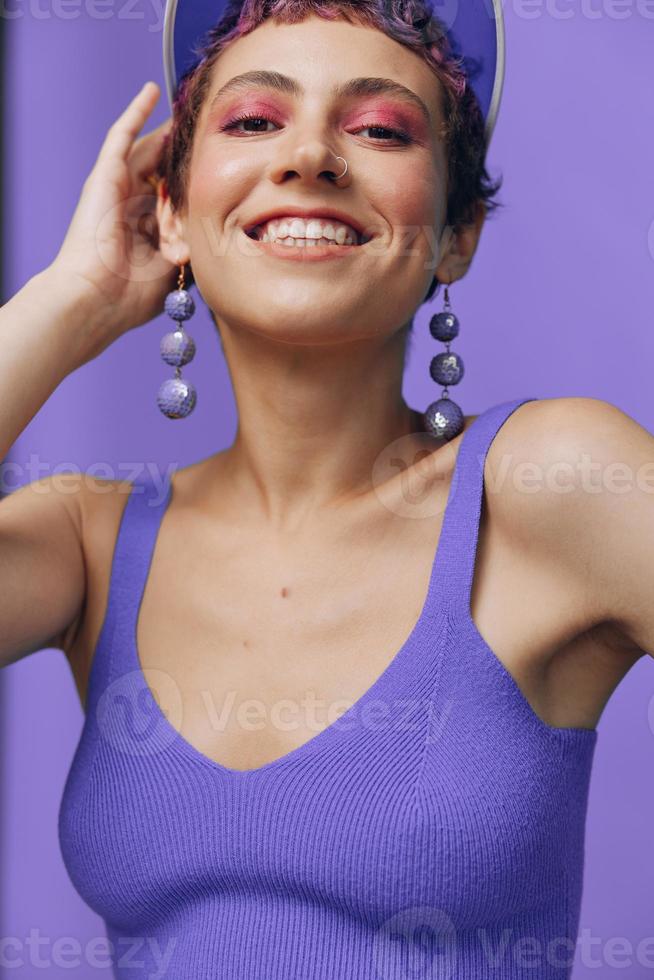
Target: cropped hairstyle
409, 22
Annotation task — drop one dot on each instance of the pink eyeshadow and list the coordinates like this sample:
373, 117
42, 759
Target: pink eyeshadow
250, 106
392, 116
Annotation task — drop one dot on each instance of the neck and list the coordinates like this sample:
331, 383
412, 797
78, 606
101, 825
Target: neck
316, 424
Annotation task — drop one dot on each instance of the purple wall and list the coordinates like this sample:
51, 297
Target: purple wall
558, 303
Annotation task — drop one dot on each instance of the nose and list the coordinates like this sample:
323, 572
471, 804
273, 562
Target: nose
313, 161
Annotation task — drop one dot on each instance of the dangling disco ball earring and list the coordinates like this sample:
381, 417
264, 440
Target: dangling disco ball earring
443, 419
177, 396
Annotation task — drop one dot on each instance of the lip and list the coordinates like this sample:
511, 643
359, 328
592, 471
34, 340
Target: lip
306, 253
289, 211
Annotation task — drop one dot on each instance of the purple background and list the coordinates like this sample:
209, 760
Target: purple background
558, 303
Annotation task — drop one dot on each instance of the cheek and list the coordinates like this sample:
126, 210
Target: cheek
217, 178
415, 205
217, 186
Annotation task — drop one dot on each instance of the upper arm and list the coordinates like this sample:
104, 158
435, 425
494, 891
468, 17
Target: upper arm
42, 569
586, 499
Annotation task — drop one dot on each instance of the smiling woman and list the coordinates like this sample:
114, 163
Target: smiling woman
413, 140
305, 143
324, 168
455, 119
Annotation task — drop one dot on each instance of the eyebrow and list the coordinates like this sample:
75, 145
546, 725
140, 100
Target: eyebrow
354, 87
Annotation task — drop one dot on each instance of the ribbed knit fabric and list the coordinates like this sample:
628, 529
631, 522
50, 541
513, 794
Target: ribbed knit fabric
435, 830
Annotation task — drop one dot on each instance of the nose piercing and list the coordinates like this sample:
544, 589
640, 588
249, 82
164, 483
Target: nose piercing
345, 171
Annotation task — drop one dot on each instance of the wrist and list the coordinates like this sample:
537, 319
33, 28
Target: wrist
68, 307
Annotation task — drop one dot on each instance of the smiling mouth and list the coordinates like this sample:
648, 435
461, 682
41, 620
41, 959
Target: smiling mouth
255, 235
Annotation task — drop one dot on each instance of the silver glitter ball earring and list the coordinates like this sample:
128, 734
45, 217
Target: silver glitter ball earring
443, 419
177, 396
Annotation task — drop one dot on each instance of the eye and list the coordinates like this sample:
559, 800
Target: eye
397, 134
246, 117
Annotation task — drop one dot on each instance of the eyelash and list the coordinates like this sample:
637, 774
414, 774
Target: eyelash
399, 134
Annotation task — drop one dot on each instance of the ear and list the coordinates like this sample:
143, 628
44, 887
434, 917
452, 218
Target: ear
172, 242
459, 247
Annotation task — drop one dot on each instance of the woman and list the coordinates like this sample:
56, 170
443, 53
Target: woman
324, 560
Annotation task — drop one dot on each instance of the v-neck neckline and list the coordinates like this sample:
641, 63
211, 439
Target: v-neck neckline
423, 629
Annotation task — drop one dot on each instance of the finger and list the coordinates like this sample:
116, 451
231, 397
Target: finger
144, 157
122, 133
145, 153
156, 134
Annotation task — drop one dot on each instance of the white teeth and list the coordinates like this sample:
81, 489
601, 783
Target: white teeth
301, 229
315, 230
296, 229
306, 242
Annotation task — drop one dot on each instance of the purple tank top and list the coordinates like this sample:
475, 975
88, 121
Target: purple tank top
436, 829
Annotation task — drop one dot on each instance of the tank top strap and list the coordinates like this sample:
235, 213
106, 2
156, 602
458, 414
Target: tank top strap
457, 548
133, 550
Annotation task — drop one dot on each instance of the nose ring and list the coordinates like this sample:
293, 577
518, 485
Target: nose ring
340, 176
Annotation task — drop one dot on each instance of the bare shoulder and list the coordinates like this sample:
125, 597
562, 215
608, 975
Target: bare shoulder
553, 455
571, 482
565, 423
